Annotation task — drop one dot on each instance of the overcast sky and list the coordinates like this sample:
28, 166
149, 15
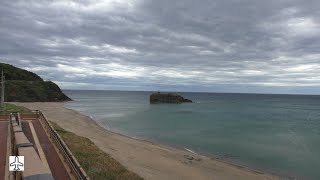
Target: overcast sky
175, 45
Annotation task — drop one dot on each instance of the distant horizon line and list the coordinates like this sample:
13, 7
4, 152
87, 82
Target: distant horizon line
293, 94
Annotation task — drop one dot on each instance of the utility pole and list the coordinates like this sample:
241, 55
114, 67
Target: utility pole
2, 92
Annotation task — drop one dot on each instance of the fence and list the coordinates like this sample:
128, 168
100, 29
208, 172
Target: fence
76, 168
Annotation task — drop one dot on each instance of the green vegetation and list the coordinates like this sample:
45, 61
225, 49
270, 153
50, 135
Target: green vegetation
14, 73
33, 91
97, 164
9, 108
25, 86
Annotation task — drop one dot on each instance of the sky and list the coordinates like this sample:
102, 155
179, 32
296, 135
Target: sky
245, 46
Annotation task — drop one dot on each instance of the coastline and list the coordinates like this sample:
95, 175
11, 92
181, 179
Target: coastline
147, 159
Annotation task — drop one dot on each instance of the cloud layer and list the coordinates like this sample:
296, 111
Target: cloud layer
233, 46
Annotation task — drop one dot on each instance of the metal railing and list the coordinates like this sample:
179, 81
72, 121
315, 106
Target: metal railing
76, 168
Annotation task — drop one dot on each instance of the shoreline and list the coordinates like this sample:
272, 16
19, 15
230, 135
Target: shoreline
211, 156
150, 160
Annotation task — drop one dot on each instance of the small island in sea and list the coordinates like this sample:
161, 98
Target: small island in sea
158, 97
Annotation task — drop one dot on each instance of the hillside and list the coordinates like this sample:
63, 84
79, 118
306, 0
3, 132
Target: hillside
25, 86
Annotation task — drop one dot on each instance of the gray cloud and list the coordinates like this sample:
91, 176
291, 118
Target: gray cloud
233, 46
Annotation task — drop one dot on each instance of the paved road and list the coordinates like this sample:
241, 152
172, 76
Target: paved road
3, 147
27, 132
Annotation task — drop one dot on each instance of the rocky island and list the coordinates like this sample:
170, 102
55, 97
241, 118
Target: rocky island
25, 86
158, 97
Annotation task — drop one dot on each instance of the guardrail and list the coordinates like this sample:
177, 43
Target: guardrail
4, 117
29, 116
76, 168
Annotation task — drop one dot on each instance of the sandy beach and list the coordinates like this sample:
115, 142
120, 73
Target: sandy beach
149, 160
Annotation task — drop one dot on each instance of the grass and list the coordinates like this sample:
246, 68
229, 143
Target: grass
96, 163
9, 108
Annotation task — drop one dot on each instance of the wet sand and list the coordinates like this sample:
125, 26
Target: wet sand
147, 159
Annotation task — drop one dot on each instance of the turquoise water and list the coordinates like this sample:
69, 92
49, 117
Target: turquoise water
277, 133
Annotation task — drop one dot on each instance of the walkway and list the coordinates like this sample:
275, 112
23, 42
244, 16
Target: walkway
45, 145
3, 147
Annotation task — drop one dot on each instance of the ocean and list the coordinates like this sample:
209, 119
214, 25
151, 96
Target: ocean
272, 133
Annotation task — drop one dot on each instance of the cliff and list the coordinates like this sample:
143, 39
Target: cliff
25, 86
156, 98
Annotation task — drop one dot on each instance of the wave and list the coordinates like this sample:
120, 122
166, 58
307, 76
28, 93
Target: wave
190, 151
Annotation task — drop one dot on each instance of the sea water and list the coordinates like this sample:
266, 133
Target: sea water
275, 133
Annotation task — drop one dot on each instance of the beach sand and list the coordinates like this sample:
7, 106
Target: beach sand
149, 160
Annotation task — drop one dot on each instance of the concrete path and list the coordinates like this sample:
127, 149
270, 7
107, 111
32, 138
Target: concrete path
3, 147
36, 134
47, 152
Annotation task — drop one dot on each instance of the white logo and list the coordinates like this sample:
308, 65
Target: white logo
16, 163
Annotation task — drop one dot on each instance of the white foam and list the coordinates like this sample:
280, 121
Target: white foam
190, 151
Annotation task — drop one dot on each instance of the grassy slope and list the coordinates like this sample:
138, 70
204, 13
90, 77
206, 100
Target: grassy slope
97, 164
9, 108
